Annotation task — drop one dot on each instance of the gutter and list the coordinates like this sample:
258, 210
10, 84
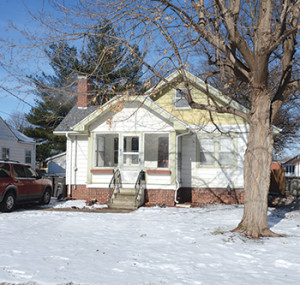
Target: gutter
177, 166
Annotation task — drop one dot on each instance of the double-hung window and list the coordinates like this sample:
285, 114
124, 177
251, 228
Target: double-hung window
5, 153
226, 151
217, 151
180, 101
207, 151
28, 156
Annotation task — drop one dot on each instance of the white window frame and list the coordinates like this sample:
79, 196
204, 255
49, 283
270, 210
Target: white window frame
158, 133
230, 151
95, 150
211, 153
132, 153
5, 151
27, 152
178, 96
216, 141
289, 170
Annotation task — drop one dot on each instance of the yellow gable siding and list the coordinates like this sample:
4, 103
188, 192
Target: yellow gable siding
165, 98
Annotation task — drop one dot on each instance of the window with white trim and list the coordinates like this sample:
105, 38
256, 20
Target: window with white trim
226, 151
28, 156
217, 151
289, 170
207, 151
180, 102
156, 150
5, 153
106, 150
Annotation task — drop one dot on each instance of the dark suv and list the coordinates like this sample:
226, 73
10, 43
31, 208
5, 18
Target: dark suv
19, 183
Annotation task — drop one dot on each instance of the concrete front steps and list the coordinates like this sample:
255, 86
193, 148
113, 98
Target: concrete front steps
124, 200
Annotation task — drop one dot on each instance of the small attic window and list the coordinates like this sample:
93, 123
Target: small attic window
180, 102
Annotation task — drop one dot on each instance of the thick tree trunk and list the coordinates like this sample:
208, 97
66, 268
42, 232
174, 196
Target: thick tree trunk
257, 163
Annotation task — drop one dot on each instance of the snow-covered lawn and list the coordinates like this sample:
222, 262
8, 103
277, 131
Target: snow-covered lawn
148, 246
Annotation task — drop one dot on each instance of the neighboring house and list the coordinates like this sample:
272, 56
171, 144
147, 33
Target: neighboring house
181, 151
57, 164
292, 166
15, 145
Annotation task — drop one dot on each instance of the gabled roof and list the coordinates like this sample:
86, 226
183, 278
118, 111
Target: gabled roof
144, 101
55, 156
201, 85
77, 117
20, 137
293, 161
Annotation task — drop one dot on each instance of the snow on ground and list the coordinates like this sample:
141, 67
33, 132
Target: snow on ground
72, 203
147, 246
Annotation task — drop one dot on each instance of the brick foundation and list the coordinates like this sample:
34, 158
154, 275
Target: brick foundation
160, 197
102, 195
216, 195
166, 197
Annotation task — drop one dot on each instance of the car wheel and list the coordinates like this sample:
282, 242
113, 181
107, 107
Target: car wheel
46, 197
8, 203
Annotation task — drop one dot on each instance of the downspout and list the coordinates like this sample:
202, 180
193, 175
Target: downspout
177, 166
34, 156
75, 162
70, 163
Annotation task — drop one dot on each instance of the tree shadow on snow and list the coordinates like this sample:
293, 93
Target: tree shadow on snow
280, 210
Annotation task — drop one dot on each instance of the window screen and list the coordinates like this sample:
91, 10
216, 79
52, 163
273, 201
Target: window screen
107, 150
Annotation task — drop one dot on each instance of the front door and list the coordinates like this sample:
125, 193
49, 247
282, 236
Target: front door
130, 158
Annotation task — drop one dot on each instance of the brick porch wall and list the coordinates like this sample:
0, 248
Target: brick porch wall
102, 195
160, 197
216, 195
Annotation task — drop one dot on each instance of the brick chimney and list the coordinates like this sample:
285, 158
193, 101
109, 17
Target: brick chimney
84, 91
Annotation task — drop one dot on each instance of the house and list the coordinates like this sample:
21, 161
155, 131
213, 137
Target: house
292, 166
56, 164
16, 146
155, 147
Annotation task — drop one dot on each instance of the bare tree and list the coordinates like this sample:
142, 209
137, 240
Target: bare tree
18, 121
246, 40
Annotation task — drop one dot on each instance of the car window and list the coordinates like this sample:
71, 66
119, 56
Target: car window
4, 170
29, 172
19, 171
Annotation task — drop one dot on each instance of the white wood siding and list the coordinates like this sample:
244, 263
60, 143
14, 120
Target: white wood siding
77, 160
297, 169
82, 160
131, 119
68, 161
17, 151
188, 162
212, 177
5, 133
158, 179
